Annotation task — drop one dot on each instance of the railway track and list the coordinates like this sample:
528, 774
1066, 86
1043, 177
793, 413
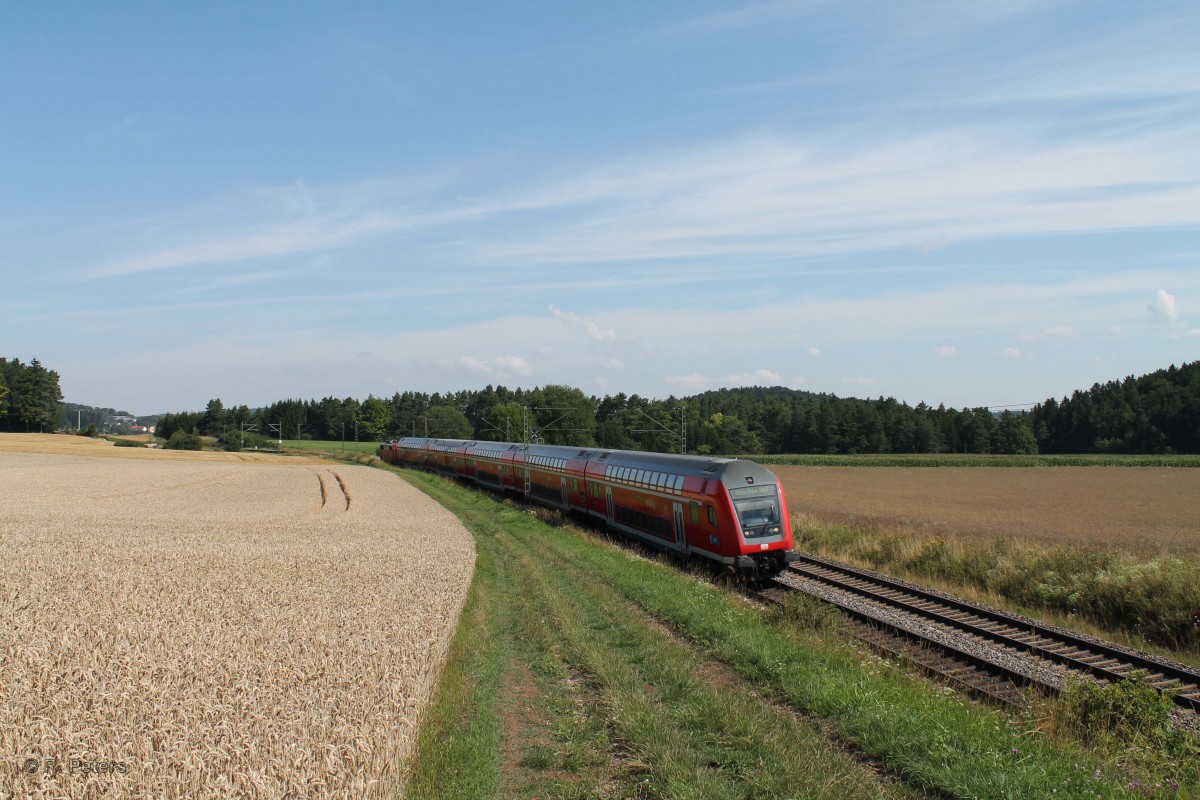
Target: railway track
985, 651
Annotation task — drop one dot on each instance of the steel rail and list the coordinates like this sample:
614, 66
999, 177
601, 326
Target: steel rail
1104, 661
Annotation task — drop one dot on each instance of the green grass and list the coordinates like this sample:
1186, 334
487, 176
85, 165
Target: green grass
977, 460
120, 442
648, 682
341, 447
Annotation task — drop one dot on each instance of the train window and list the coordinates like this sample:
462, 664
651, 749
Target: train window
574, 485
712, 516
639, 476
662, 480
679, 482
695, 507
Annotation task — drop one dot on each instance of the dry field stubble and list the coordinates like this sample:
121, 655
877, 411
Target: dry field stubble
211, 628
1139, 509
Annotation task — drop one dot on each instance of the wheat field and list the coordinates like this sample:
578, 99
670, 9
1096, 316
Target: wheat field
216, 628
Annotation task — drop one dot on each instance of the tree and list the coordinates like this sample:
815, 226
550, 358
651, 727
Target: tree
374, 418
563, 415
35, 398
447, 422
1014, 436
504, 422
214, 418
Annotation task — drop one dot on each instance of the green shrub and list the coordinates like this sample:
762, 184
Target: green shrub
181, 440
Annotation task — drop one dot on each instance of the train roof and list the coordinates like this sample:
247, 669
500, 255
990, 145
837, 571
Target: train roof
726, 469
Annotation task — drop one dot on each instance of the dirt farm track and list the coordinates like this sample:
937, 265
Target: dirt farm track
215, 625
1148, 509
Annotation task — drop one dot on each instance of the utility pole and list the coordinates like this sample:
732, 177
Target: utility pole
246, 426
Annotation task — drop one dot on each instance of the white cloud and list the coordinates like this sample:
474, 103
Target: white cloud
799, 380
1194, 333
601, 382
860, 381
614, 363
1165, 309
500, 364
689, 381
590, 328
475, 365
946, 351
815, 352
513, 364
1012, 352
758, 377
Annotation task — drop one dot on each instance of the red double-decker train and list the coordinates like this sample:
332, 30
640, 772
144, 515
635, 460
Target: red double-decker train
728, 510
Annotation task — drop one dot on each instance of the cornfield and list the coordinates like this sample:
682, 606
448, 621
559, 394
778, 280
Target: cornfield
176, 628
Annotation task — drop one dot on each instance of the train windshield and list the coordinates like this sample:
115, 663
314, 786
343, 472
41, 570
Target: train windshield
754, 513
756, 506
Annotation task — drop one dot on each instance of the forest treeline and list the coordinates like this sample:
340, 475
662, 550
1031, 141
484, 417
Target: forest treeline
1155, 413
30, 397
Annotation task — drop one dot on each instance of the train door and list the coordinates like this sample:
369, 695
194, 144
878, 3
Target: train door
680, 538
608, 502
563, 485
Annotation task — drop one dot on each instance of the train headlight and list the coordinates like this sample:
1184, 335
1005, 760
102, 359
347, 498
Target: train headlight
775, 529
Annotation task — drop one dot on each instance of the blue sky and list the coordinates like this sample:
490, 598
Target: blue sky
982, 203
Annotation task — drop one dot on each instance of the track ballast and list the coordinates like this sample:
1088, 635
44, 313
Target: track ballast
985, 651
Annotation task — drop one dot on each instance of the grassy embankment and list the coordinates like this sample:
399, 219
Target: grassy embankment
581, 670
331, 447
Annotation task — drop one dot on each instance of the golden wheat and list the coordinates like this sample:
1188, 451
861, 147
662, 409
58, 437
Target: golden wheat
217, 629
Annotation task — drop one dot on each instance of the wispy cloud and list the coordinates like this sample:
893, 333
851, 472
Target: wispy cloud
693, 381
501, 365
765, 197
746, 17
761, 377
946, 351
1055, 332
589, 328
